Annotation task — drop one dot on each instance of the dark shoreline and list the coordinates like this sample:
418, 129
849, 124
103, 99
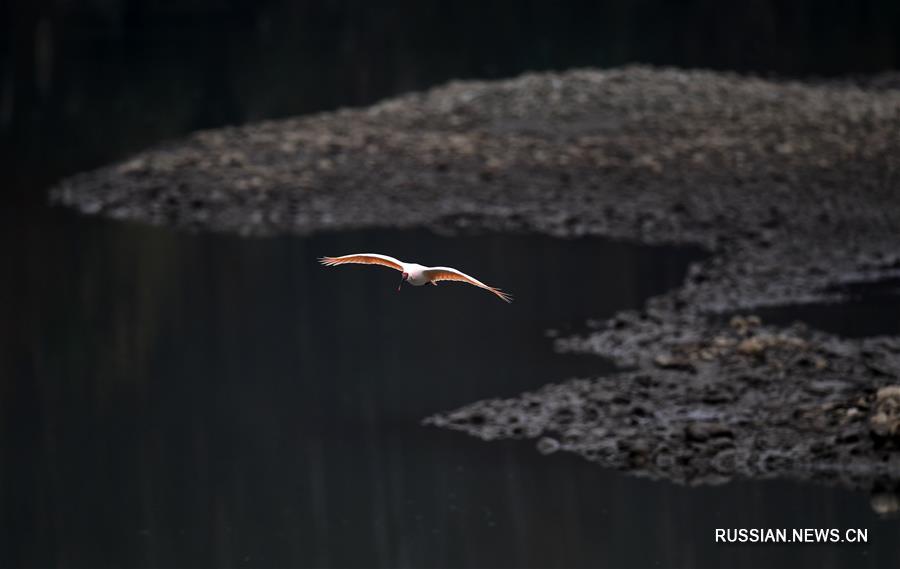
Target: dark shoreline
793, 187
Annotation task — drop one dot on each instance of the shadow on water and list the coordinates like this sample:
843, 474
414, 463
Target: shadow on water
192, 400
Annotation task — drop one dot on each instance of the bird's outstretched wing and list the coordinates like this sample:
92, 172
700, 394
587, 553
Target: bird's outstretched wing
363, 259
451, 274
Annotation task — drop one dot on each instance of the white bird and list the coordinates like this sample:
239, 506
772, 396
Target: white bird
413, 273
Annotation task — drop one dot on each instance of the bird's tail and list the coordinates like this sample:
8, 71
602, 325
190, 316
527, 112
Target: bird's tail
504, 296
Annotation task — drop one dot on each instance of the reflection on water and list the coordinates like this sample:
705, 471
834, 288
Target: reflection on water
193, 400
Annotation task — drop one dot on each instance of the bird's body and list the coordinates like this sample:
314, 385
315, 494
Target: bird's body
413, 273
416, 274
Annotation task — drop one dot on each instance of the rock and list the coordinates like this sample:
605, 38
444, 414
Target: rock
547, 445
884, 503
828, 386
743, 325
752, 346
723, 342
666, 361
640, 446
725, 462
702, 431
884, 422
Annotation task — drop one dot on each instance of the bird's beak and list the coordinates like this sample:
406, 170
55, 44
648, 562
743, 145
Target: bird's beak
403, 278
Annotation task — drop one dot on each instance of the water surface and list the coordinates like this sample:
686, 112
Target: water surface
169, 399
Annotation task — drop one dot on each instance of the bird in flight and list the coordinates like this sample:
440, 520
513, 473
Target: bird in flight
413, 273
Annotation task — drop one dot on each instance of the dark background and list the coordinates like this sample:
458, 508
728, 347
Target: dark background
86, 82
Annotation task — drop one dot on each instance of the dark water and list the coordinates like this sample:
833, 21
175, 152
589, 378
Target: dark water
867, 309
204, 400
853, 318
